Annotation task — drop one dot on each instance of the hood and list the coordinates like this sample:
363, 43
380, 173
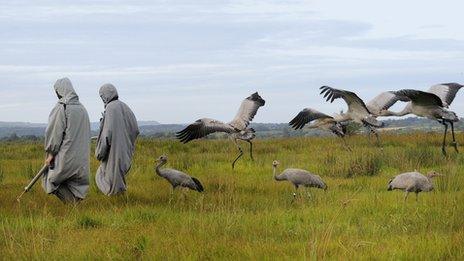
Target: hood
63, 87
108, 93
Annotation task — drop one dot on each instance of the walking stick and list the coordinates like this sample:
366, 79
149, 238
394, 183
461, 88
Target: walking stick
33, 181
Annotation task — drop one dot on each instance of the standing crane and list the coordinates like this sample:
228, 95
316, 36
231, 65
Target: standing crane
175, 177
237, 129
413, 182
298, 177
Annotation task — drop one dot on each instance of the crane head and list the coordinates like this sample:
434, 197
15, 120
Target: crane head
275, 163
162, 158
324, 187
256, 98
433, 174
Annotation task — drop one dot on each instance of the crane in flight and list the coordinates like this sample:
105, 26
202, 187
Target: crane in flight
237, 129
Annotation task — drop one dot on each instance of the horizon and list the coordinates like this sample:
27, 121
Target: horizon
177, 62
394, 118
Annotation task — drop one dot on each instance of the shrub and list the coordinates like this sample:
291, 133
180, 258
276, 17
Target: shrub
88, 222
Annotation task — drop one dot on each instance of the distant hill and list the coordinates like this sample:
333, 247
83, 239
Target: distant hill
263, 130
5, 124
96, 125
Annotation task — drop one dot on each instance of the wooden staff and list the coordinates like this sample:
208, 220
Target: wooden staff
33, 181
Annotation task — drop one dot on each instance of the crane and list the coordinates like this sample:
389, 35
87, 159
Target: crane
175, 177
413, 182
237, 129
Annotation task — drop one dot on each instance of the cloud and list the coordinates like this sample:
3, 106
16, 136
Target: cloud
202, 58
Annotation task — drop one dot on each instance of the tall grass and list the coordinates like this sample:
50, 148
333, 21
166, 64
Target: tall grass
244, 213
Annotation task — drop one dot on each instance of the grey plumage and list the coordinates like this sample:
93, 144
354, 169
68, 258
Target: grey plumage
298, 177
420, 97
413, 182
237, 129
357, 109
355, 104
380, 104
429, 105
318, 119
446, 91
175, 177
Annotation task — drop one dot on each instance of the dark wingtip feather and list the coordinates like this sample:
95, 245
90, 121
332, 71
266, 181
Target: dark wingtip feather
183, 135
199, 186
293, 123
389, 185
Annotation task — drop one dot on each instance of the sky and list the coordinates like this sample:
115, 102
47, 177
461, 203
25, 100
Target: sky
177, 61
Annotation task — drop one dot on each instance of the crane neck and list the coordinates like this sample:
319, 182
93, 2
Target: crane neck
158, 167
277, 177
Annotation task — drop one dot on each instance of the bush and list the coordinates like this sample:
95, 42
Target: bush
368, 164
88, 222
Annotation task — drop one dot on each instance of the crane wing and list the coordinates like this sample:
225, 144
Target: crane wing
446, 92
202, 128
247, 111
306, 116
352, 100
420, 97
384, 101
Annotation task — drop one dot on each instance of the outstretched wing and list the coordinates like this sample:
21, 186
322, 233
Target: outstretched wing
247, 111
420, 97
354, 102
384, 101
202, 128
446, 92
306, 116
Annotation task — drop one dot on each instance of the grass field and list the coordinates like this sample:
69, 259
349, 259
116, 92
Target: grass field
244, 213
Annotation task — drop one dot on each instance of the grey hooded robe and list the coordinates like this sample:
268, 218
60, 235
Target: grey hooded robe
116, 142
67, 137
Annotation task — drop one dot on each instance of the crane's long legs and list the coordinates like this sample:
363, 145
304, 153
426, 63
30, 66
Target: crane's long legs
443, 149
406, 195
369, 133
171, 196
345, 144
239, 155
379, 144
294, 193
251, 149
308, 192
455, 145
377, 137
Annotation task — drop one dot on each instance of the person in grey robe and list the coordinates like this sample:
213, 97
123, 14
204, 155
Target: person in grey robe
116, 142
67, 144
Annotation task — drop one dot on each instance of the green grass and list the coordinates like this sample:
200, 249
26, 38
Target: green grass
244, 213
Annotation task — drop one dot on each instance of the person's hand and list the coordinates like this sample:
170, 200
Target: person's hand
49, 159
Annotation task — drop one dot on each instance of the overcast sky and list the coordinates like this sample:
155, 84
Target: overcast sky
177, 61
